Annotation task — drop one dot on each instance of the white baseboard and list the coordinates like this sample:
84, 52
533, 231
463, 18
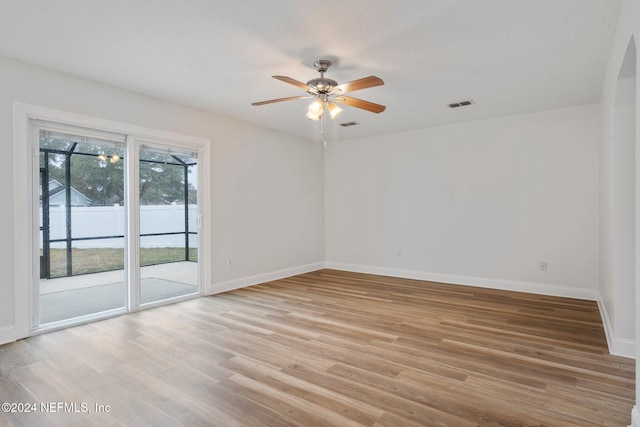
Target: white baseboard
617, 346
242, 282
7, 334
635, 417
606, 322
507, 285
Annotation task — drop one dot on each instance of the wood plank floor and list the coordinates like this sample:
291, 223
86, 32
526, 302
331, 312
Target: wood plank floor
329, 348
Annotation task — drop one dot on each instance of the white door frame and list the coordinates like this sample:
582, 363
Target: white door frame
26, 265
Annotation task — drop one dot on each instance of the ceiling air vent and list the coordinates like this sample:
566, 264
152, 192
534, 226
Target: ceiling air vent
347, 124
461, 103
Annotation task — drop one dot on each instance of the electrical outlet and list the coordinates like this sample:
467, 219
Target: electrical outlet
229, 262
398, 254
543, 266
356, 251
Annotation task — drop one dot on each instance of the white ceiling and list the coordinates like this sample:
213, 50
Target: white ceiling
509, 56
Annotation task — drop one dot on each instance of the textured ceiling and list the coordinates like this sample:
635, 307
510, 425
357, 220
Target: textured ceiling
509, 56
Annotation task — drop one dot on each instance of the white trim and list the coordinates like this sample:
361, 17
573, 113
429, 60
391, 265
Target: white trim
132, 248
623, 347
76, 321
606, 322
34, 237
117, 139
204, 216
81, 120
242, 282
508, 285
24, 263
172, 300
617, 346
635, 417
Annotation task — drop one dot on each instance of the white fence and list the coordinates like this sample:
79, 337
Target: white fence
97, 221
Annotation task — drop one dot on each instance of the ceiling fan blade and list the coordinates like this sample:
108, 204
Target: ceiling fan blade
271, 101
291, 81
362, 83
359, 103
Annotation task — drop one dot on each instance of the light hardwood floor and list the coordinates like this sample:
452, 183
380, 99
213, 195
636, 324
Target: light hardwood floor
329, 348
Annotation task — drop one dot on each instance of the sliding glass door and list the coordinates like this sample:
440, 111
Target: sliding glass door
81, 225
117, 222
168, 213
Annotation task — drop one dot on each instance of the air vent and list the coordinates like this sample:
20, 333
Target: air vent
345, 125
461, 103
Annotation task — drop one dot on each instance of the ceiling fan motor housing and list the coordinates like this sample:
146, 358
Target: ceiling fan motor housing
322, 84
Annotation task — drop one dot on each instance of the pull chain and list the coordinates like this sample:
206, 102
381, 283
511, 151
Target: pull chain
322, 134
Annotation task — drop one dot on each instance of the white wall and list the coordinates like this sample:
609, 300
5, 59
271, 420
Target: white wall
628, 28
270, 206
267, 187
479, 203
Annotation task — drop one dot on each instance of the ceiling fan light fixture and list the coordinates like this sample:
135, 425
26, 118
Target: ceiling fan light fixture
334, 110
316, 107
315, 110
312, 116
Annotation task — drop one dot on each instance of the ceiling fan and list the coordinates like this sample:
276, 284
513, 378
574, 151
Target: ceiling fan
328, 93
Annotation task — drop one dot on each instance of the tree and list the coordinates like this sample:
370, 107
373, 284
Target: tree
161, 176
161, 180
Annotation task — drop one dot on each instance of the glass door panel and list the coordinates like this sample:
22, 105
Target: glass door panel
168, 223
82, 223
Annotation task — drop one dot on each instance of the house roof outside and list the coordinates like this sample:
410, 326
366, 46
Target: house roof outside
57, 196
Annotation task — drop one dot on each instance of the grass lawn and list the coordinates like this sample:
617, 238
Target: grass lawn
105, 259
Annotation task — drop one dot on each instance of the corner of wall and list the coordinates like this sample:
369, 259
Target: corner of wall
230, 285
617, 346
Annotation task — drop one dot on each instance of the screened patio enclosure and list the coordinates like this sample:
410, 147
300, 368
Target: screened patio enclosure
82, 206
85, 190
